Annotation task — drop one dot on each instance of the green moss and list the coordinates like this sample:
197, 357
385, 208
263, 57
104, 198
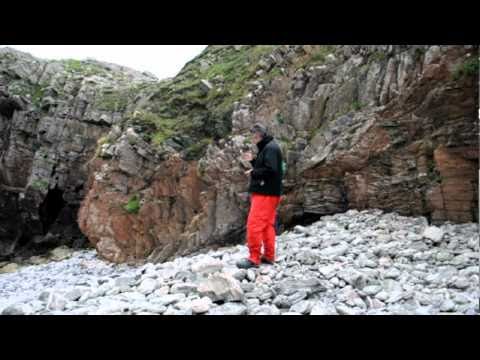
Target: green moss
418, 54
24, 88
133, 205
280, 119
73, 65
378, 56
468, 68
84, 68
197, 150
357, 105
179, 109
157, 128
114, 101
318, 56
39, 184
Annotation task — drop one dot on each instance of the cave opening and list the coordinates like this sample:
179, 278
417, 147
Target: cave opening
51, 207
303, 219
8, 107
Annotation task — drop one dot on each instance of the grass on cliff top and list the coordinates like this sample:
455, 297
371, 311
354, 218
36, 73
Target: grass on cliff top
82, 68
317, 57
466, 69
183, 108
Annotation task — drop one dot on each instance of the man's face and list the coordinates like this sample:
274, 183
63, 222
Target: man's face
256, 137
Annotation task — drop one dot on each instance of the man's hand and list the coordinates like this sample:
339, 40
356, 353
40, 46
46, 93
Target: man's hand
247, 156
248, 172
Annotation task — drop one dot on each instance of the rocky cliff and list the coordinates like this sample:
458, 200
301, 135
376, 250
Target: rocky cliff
157, 163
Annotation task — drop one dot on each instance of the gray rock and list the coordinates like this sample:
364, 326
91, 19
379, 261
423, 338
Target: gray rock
250, 275
462, 283
448, 306
147, 286
184, 288
125, 281
302, 307
56, 302
265, 310
169, 299
433, 233
328, 271
200, 306
345, 310
240, 274
18, 309
221, 287
183, 312
334, 251
320, 308
228, 309
75, 294
207, 266
372, 290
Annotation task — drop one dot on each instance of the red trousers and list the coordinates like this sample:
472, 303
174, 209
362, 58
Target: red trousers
261, 226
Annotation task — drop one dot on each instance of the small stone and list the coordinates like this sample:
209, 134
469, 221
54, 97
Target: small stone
125, 282
208, 265
147, 286
298, 229
382, 295
320, 308
228, 309
265, 310
221, 287
372, 290
61, 253
172, 311
462, 283
392, 273
9, 268
239, 274
185, 288
433, 233
18, 309
75, 294
448, 306
250, 275
328, 271
334, 251
345, 310
56, 302
200, 306
302, 307
169, 299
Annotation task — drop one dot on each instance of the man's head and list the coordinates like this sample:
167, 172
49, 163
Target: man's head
258, 131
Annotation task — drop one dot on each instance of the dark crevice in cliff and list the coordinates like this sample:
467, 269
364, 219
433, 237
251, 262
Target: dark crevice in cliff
51, 207
8, 107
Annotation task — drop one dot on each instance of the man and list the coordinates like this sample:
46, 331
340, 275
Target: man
265, 189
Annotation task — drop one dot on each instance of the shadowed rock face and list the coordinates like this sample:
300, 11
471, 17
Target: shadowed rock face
51, 116
156, 163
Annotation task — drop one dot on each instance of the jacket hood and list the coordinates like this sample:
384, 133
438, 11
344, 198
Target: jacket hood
264, 142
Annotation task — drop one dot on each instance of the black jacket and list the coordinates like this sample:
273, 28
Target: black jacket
266, 177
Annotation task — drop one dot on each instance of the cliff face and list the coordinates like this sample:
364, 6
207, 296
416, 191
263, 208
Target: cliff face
51, 115
389, 127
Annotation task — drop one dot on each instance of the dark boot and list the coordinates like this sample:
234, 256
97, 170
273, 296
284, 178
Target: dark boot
246, 264
266, 261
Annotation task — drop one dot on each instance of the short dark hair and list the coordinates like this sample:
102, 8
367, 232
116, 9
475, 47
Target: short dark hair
259, 128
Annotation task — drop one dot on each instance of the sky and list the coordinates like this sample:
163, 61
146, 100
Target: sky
161, 60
